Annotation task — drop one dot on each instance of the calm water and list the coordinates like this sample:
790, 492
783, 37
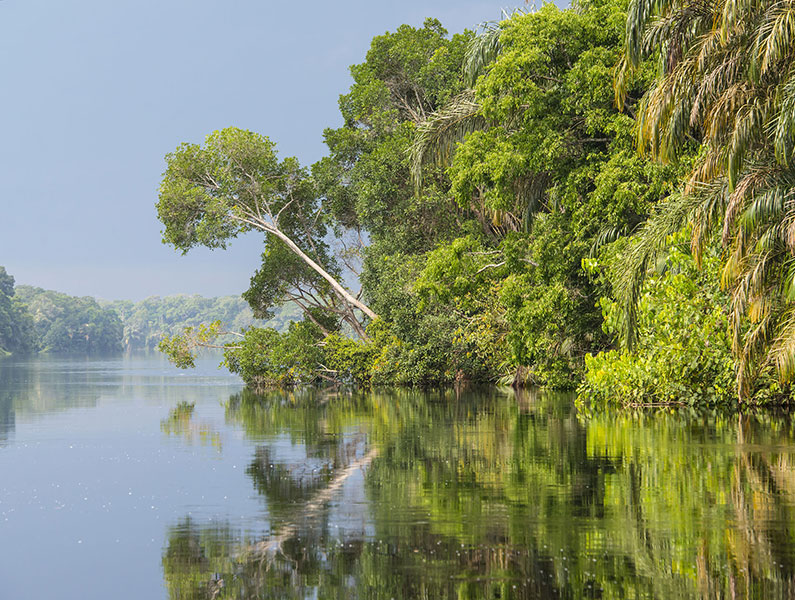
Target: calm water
126, 478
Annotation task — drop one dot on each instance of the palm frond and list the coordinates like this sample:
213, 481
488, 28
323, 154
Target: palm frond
706, 215
748, 366
629, 275
481, 51
762, 206
787, 224
606, 236
788, 282
732, 14
749, 126
639, 12
782, 353
437, 136
766, 205
784, 122
775, 38
718, 69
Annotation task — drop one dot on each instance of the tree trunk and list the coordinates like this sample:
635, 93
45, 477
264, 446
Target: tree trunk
338, 288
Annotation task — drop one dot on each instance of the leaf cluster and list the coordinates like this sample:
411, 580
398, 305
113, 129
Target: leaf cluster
683, 349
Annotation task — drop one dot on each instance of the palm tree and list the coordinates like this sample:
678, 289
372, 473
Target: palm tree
438, 135
727, 81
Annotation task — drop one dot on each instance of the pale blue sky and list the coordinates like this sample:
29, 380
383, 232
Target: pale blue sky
96, 92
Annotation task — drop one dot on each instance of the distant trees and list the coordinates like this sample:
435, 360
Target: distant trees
16, 326
148, 321
34, 320
68, 324
37, 320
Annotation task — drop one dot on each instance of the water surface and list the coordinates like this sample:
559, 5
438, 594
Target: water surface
127, 478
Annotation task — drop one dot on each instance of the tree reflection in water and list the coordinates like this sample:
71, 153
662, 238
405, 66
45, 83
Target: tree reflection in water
180, 422
492, 495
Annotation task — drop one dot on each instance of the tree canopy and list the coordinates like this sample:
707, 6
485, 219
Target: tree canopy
16, 325
235, 183
515, 200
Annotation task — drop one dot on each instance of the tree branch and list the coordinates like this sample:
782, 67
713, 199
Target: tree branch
345, 294
492, 266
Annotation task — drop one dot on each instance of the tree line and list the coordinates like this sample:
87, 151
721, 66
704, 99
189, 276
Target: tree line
34, 320
598, 197
146, 322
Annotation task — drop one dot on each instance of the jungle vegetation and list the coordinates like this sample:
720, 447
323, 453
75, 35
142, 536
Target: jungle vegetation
597, 196
36, 320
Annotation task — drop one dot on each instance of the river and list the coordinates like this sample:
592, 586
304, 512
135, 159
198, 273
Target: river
127, 478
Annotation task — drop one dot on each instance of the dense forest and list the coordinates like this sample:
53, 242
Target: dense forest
17, 335
548, 200
34, 320
66, 324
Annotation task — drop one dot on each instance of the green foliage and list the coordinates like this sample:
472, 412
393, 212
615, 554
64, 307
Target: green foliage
726, 80
683, 353
180, 347
472, 263
68, 325
474, 270
431, 332
299, 355
457, 270
265, 357
550, 178
17, 334
201, 185
407, 75
349, 361
547, 96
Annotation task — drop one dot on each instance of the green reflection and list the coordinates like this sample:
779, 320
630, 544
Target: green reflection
30, 389
496, 495
180, 422
7, 415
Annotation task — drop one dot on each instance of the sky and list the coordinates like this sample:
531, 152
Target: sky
95, 93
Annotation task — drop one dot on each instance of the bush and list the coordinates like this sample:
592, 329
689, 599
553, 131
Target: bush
683, 353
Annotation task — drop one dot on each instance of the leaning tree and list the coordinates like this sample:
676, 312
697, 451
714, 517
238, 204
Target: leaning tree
236, 183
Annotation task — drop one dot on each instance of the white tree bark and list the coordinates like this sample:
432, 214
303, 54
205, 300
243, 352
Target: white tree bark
262, 224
